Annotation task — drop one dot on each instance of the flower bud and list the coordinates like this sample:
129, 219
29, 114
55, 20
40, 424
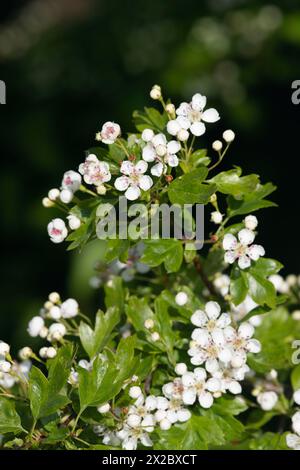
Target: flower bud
74, 222
267, 400
54, 297
25, 353
47, 202
55, 312
101, 189
181, 298
48, 305
155, 336
147, 135
216, 217
217, 145
296, 396
170, 108
181, 368
213, 198
51, 352
149, 323
66, 196
228, 136
183, 135
135, 392
155, 92
4, 349
104, 408
35, 326
251, 222
5, 366
44, 332
53, 194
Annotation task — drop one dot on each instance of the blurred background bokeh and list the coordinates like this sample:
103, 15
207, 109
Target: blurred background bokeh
69, 65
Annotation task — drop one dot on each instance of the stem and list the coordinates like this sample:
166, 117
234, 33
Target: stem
204, 278
221, 156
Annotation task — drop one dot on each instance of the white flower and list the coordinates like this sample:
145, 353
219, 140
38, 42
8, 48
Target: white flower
155, 336
155, 92
25, 353
251, 222
69, 308
131, 436
279, 283
57, 230
5, 366
216, 217
230, 377
241, 310
160, 151
135, 392
296, 396
56, 332
293, 441
74, 222
53, 194
54, 297
104, 408
55, 312
228, 136
47, 353
181, 368
66, 196
71, 180
109, 133
211, 318
222, 283
217, 145
267, 400
197, 385
35, 326
296, 422
133, 179
241, 342
94, 171
181, 298
242, 250
4, 349
190, 116
149, 323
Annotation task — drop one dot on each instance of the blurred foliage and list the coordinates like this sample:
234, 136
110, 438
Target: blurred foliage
71, 64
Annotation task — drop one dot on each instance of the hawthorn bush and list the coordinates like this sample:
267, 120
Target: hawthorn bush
196, 348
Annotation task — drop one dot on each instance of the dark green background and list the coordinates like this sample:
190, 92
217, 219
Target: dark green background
69, 65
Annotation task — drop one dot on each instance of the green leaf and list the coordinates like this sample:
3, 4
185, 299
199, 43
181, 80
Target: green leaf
231, 182
251, 202
295, 377
137, 311
189, 189
38, 391
199, 158
43, 401
238, 286
266, 267
261, 290
186, 436
59, 369
165, 326
150, 119
90, 382
116, 249
94, 341
10, 421
114, 293
167, 251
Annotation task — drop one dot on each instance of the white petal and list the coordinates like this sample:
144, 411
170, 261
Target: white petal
145, 182
200, 374
229, 242
183, 122
212, 310
122, 183
225, 355
254, 346
133, 193
213, 385
159, 139
206, 399
293, 441
296, 397
210, 115
188, 379
202, 337
218, 337
199, 318
212, 365
173, 146
246, 330
244, 262
183, 415
234, 387
246, 236
141, 167
224, 320
145, 440
230, 257
127, 168
157, 170
255, 252
198, 128
189, 397
183, 109
149, 153
147, 135
198, 102
173, 127
172, 160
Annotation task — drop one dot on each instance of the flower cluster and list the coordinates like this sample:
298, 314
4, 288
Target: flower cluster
158, 150
241, 248
221, 348
12, 372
